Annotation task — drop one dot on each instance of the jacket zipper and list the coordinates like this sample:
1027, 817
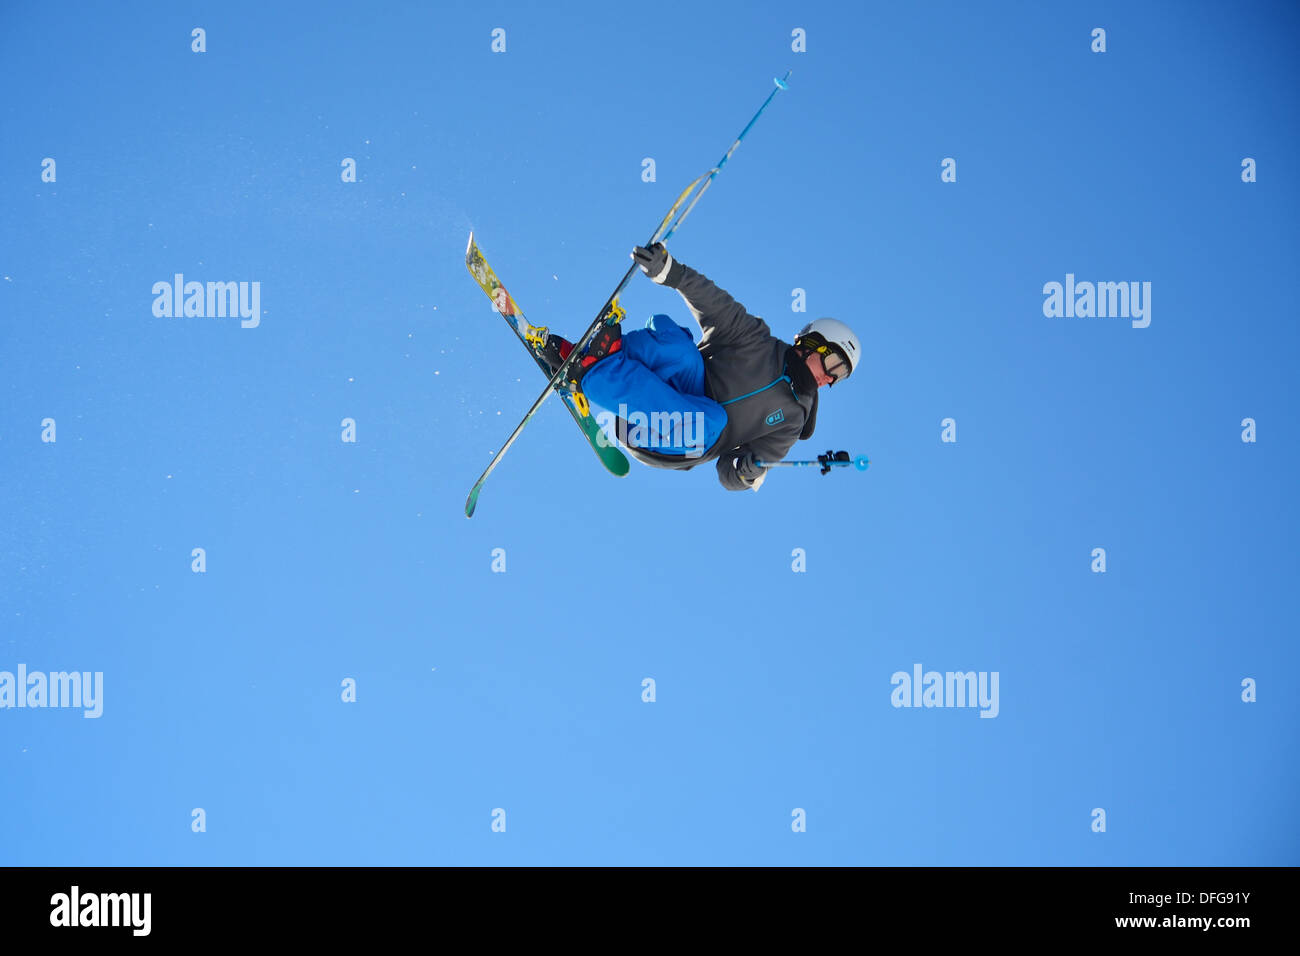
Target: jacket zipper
783, 378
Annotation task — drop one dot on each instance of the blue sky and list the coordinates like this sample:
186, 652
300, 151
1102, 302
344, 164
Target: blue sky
522, 690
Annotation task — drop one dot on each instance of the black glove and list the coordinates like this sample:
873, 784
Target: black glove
749, 473
654, 262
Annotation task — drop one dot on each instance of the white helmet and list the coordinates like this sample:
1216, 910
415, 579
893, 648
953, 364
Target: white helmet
837, 335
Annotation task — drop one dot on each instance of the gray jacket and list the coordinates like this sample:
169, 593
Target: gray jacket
767, 390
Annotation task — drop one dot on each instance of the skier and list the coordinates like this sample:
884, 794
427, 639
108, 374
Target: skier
749, 395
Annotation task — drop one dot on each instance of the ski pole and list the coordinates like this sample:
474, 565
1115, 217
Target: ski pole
781, 84
659, 235
832, 459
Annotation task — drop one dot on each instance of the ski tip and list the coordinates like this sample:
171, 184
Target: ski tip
469, 245
783, 83
471, 503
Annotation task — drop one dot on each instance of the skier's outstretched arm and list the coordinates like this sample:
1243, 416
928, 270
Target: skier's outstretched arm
721, 318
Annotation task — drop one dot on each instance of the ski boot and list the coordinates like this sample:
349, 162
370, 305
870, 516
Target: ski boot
556, 350
605, 343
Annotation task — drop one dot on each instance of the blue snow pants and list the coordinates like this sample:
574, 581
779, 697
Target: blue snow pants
656, 381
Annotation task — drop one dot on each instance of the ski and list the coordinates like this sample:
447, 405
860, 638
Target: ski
533, 338
608, 311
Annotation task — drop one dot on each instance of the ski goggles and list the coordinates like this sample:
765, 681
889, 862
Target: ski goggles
834, 364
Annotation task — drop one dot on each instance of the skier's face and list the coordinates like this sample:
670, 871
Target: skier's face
818, 369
